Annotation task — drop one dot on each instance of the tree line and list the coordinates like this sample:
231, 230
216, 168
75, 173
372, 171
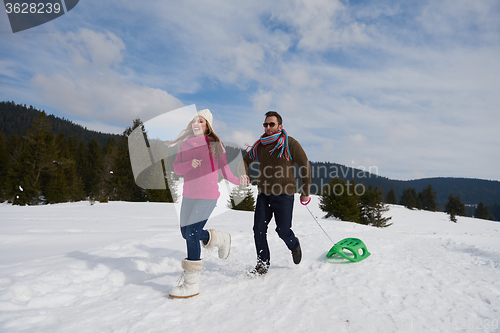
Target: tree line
42, 167
471, 191
474, 193
426, 200
353, 202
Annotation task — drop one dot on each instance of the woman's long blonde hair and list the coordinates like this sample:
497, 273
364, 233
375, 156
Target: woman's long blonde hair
216, 148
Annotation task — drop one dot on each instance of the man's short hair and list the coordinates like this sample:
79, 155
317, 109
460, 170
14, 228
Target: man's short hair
275, 114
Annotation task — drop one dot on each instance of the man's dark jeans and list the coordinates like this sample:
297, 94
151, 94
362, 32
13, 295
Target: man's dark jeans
281, 206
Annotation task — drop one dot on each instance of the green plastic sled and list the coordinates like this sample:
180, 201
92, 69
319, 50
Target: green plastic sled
352, 249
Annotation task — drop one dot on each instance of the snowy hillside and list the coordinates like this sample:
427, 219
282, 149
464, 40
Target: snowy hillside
108, 268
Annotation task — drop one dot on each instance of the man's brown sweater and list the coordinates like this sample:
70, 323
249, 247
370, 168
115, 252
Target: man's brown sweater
277, 175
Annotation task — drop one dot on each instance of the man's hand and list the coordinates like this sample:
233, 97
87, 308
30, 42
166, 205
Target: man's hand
304, 199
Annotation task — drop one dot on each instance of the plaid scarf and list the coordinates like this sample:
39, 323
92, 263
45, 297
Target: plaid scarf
281, 137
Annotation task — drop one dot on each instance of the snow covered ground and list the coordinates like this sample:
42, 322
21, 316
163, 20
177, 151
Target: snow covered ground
78, 267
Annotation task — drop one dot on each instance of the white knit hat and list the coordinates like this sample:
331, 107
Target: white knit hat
205, 113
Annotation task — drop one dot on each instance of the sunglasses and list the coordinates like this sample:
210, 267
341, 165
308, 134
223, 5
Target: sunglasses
269, 124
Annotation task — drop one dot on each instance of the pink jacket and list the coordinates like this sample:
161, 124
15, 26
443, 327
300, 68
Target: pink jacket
201, 182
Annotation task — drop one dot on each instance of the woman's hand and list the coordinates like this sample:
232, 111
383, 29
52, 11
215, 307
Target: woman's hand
195, 163
244, 180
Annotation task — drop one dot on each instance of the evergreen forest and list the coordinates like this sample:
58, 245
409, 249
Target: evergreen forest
45, 159
46, 165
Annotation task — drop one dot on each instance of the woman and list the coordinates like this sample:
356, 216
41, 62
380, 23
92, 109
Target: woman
200, 158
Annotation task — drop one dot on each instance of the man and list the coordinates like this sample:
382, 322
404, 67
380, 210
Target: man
277, 154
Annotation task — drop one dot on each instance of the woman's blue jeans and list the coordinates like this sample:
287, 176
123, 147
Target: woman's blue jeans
194, 216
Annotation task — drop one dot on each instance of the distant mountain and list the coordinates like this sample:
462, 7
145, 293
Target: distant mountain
471, 191
16, 119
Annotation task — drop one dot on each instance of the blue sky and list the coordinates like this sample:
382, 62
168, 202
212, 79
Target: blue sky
410, 88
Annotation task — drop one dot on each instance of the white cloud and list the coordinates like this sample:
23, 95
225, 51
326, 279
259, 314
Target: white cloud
242, 62
462, 19
262, 100
90, 48
406, 82
322, 25
242, 138
90, 87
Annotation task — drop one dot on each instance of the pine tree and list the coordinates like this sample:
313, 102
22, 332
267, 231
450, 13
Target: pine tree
156, 178
455, 207
56, 190
4, 166
74, 181
75, 187
60, 184
109, 156
481, 212
82, 166
164, 195
409, 199
241, 198
122, 184
34, 163
95, 169
339, 200
15, 175
390, 198
372, 208
428, 199
172, 180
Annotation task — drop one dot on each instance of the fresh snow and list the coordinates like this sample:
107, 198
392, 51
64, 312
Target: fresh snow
77, 267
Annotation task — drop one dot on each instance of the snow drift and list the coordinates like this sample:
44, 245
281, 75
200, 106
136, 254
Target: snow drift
77, 267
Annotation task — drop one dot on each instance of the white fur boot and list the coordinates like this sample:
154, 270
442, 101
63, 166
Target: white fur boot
191, 285
220, 240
